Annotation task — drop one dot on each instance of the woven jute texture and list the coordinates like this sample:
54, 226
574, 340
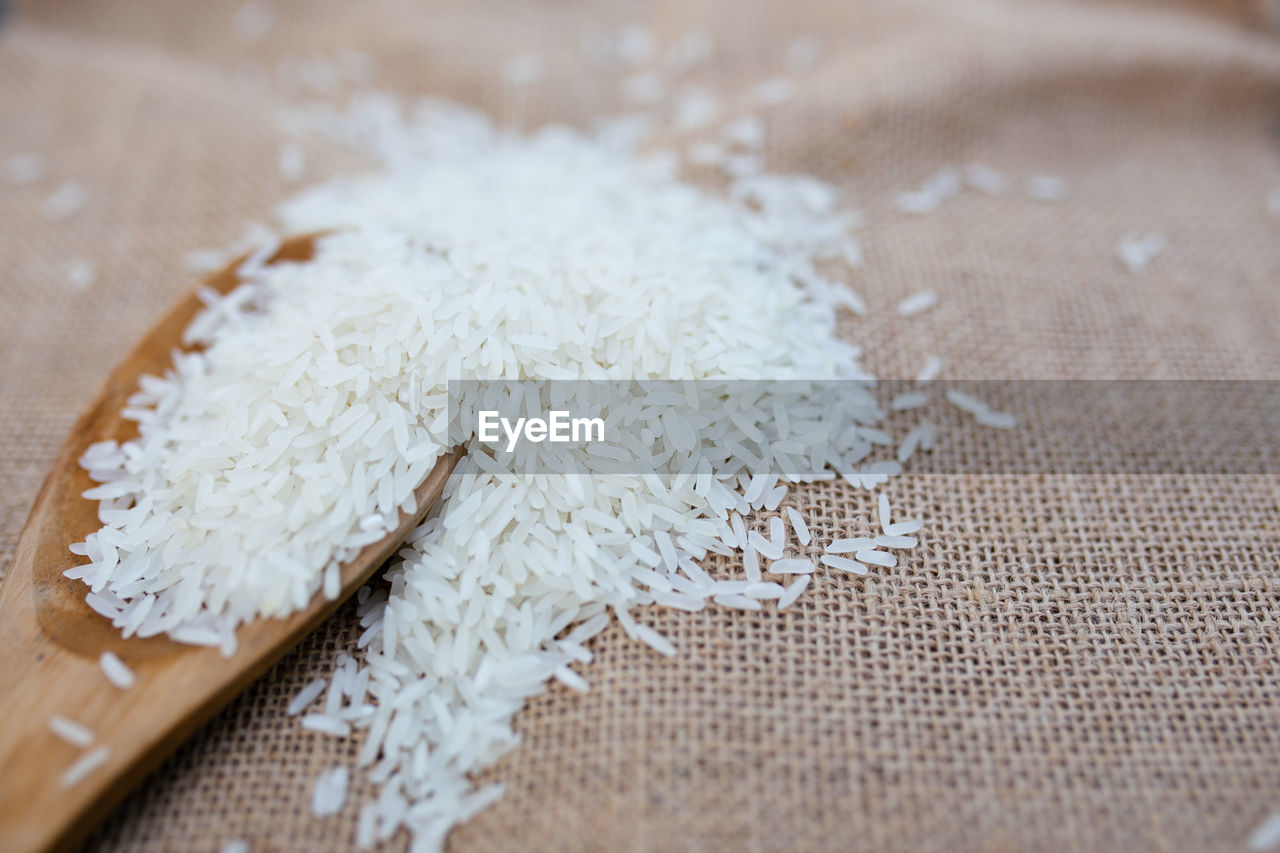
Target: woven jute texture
1067, 662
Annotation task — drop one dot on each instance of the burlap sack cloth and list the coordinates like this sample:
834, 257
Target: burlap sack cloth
1067, 663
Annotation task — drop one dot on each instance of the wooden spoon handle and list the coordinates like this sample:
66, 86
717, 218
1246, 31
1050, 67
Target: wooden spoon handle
178, 688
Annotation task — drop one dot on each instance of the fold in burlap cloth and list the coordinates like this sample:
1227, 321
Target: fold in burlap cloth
1068, 662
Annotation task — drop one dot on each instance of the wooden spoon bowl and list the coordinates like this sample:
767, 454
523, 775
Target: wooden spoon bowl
50, 640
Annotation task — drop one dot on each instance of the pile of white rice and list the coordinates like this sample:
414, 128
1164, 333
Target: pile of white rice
320, 400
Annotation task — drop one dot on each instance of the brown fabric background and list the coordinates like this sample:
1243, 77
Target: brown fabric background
1067, 663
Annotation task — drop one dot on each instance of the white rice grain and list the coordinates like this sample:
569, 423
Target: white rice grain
791, 567
330, 792
66, 200
982, 413
764, 590
844, 564
116, 671
793, 592
750, 563
930, 370
306, 696
76, 734
985, 180
849, 546
739, 602
654, 640
908, 400
764, 547
937, 188
798, 525
777, 533
325, 724
904, 528
1137, 253
571, 679
1266, 836
83, 766
917, 303
291, 161
876, 558
81, 274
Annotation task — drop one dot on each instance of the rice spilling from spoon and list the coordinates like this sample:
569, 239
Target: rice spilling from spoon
321, 399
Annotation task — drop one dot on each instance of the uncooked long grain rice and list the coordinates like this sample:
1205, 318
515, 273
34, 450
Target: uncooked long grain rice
908, 400
65, 200
982, 413
84, 765
654, 640
848, 546
741, 602
843, 563
1136, 253
777, 533
904, 528
310, 387
793, 592
305, 697
76, 734
330, 792
764, 590
918, 438
1266, 836
326, 725
791, 567
750, 563
985, 179
917, 303
930, 369
116, 671
764, 547
803, 537
81, 274
876, 558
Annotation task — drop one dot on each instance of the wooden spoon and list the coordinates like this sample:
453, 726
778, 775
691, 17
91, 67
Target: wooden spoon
50, 640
